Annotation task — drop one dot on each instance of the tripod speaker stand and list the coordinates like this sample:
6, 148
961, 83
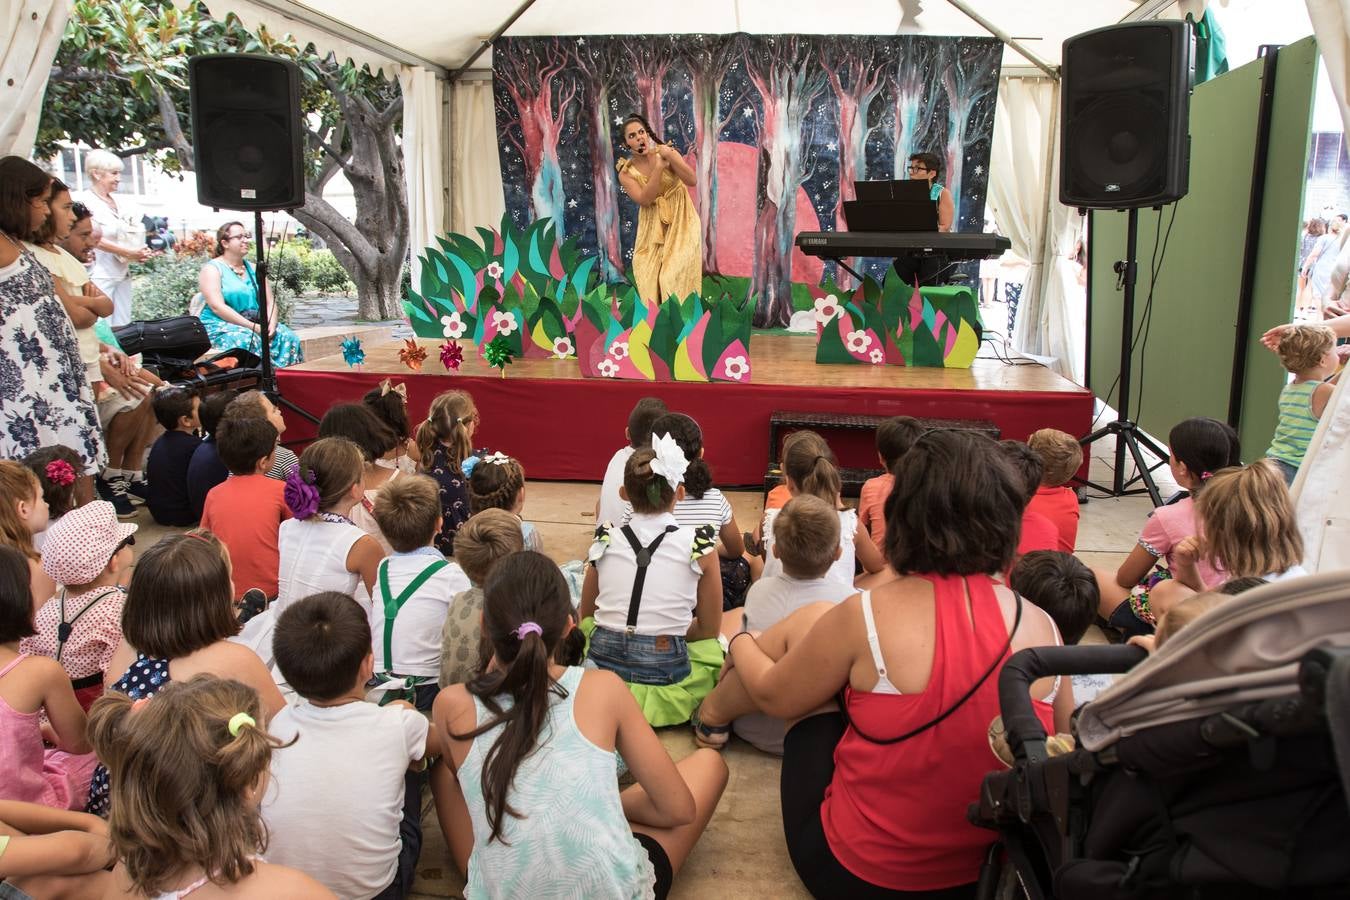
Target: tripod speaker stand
248, 156
267, 376
1125, 110
1128, 435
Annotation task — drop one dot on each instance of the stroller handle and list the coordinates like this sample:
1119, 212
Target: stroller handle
1026, 735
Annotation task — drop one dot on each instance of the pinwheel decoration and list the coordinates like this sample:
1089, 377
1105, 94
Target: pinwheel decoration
498, 354
452, 356
353, 354
412, 354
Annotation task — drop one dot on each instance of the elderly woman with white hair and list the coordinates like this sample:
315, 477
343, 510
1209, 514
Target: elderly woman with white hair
121, 245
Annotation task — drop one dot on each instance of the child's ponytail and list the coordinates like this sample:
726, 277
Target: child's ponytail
447, 425
1204, 446
809, 462
526, 612
698, 477
328, 469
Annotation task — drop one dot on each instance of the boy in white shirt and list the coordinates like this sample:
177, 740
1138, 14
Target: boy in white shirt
413, 590
806, 542
343, 804
611, 508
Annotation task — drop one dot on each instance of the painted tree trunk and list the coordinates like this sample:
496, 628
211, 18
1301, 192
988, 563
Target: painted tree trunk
604, 179
776, 228
852, 164
705, 163
908, 108
546, 188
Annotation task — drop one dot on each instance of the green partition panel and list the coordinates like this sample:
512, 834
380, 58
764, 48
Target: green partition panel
1183, 354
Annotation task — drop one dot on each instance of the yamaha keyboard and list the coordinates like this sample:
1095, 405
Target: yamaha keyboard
954, 245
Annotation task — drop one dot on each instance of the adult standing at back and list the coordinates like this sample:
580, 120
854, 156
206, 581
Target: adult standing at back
121, 245
45, 396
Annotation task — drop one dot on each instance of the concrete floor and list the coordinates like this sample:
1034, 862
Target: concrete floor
743, 849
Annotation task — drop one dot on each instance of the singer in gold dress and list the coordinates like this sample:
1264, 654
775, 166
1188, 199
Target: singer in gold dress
668, 252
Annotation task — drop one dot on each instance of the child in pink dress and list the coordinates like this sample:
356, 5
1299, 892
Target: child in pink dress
1199, 447
29, 687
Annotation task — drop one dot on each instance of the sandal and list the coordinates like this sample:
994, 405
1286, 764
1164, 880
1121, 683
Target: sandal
713, 737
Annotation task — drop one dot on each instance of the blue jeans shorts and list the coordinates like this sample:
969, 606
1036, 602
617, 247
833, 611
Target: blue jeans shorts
640, 658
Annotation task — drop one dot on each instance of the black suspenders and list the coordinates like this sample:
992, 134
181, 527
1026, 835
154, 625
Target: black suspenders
644, 560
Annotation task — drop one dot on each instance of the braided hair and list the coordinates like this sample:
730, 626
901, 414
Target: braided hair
495, 485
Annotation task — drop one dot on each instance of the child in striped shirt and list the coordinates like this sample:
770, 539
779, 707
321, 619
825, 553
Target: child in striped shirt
1309, 353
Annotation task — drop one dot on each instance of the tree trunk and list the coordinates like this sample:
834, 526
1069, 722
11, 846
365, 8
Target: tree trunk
372, 248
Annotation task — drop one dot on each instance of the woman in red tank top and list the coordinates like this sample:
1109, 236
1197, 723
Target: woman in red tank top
874, 797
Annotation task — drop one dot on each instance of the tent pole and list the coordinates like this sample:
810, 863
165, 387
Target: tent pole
490, 40
1005, 37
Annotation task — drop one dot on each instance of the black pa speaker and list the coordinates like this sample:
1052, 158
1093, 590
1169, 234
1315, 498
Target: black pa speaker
1126, 106
246, 135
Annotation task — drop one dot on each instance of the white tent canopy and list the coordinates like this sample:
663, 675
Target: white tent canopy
451, 159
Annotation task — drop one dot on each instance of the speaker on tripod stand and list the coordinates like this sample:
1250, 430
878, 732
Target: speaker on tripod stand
248, 154
1124, 145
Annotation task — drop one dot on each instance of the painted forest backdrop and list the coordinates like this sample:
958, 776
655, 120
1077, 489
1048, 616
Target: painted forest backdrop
778, 127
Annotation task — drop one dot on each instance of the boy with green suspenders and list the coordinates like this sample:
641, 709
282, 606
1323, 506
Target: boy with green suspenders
412, 592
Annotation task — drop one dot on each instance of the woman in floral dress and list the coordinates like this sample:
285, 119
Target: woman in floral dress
45, 397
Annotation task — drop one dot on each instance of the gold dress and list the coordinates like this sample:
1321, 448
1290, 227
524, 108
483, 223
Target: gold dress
668, 252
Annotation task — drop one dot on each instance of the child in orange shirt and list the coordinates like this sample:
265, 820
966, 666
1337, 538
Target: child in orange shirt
246, 510
894, 438
1061, 455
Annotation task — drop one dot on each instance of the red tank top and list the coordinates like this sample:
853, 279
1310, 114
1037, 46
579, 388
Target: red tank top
895, 815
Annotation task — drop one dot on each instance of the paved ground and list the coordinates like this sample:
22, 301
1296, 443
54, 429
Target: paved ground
323, 310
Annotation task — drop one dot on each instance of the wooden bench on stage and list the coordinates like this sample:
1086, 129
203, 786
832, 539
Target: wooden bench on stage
852, 479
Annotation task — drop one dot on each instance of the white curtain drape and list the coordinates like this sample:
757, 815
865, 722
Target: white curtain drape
1322, 489
1023, 173
476, 194
30, 33
424, 162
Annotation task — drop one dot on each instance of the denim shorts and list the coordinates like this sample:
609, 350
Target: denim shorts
640, 658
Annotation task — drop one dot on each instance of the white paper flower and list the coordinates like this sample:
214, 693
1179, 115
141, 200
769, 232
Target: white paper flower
878, 357
494, 270
497, 459
608, 368
562, 348
827, 308
858, 341
454, 325
618, 349
504, 322
670, 462
736, 367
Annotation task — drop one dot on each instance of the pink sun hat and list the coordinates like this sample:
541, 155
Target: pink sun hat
79, 545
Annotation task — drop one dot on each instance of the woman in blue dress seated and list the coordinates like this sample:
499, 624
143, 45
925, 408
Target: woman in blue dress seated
229, 287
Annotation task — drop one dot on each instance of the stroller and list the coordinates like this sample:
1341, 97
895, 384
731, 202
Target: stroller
1219, 767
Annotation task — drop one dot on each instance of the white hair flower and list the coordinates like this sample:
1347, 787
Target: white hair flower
670, 462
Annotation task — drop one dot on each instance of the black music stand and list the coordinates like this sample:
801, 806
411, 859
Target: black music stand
1128, 435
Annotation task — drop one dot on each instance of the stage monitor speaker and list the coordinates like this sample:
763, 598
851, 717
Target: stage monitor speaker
1126, 102
246, 134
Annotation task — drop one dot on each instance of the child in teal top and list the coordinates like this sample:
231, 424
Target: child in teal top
1309, 353
531, 744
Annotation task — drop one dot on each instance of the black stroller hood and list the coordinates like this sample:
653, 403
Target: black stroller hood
1208, 771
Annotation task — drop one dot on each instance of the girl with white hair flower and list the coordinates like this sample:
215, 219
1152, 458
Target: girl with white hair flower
652, 599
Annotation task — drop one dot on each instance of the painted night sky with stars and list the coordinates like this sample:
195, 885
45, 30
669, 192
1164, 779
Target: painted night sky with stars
842, 108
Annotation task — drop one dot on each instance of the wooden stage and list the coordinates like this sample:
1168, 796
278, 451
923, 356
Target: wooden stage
563, 426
